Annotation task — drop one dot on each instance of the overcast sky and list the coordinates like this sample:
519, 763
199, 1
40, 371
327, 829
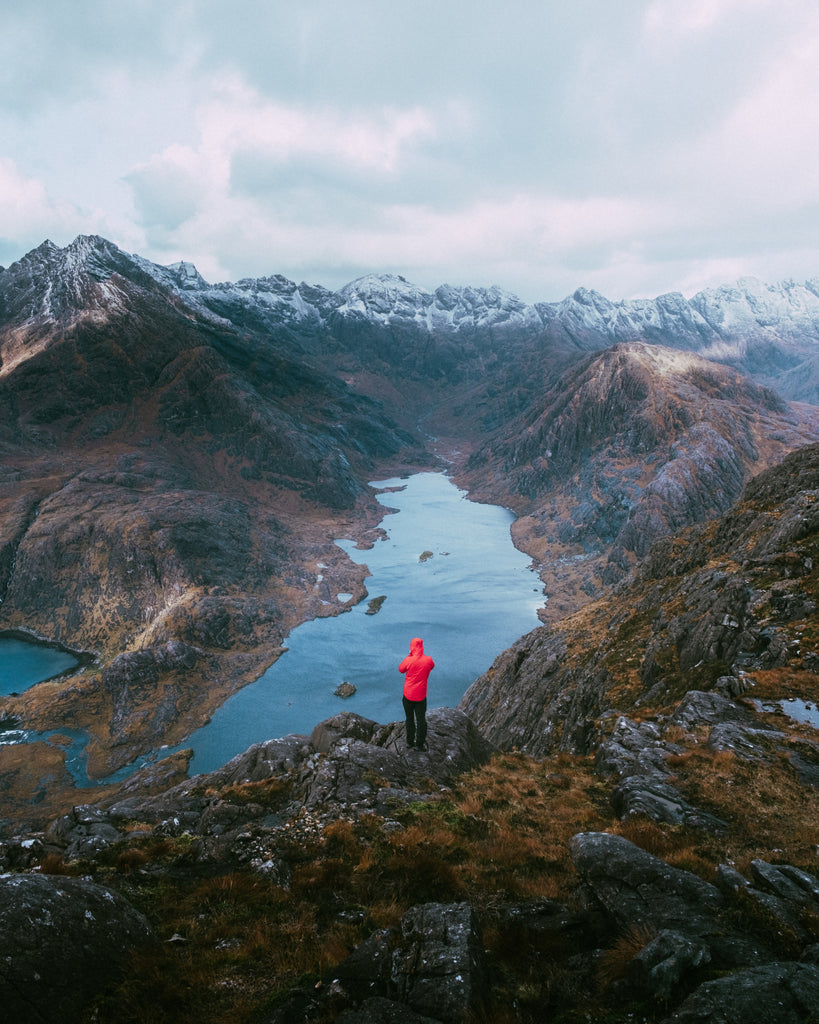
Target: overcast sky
632, 146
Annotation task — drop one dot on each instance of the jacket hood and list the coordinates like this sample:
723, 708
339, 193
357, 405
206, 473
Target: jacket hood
417, 646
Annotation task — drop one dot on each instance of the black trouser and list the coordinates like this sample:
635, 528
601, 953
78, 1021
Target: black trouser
416, 712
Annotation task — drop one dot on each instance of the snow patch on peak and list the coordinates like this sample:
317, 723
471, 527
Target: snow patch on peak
382, 293
186, 275
384, 297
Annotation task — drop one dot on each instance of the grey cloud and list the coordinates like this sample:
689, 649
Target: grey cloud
164, 198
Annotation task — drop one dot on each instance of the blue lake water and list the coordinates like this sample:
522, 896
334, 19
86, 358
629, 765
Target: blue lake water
24, 663
468, 601
469, 598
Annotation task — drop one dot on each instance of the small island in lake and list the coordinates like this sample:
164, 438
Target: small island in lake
374, 606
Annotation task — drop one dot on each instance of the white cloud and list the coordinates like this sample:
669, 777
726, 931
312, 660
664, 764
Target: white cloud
631, 147
666, 22
28, 211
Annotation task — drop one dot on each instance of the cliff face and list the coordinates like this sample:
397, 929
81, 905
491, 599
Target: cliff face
707, 609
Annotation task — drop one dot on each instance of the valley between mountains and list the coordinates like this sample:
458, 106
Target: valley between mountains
175, 459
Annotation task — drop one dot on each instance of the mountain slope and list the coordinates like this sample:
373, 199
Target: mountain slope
167, 479
629, 445
733, 597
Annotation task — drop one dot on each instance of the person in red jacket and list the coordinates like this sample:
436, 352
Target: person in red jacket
416, 668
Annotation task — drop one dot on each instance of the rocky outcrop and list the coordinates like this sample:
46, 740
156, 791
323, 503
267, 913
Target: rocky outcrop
632, 444
686, 929
62, 940
350, 766
431, 970
778, 993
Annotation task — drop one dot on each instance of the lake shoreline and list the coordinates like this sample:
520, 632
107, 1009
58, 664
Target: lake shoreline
84, 659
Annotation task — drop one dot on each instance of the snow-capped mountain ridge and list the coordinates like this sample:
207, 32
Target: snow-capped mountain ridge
767, 329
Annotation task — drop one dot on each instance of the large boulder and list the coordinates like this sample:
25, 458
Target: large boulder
439, 968
777, 993
638, 889
62, 941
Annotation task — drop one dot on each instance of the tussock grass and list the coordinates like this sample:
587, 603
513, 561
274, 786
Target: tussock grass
240, 940
615, 960
499, 837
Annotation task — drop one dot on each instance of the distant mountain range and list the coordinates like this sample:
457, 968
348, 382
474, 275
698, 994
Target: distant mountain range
769, 331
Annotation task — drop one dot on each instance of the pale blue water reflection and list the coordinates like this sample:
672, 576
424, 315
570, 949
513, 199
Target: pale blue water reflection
469, 601
24, 663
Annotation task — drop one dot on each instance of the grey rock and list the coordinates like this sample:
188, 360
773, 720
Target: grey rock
808, 883
778, 993
62, 940
439, 968
730, 686
657, 799
784, 917
637, 754
663, 964
745, 741
730, 880
636, 888
84, 832
698, 707
345, 725
366, 971
793, 886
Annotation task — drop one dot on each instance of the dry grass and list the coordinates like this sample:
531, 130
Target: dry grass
767, 807
501, 833
500, 836
54, 864
272, 792
615, 961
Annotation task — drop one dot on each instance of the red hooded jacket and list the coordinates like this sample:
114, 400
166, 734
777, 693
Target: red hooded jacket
417, 666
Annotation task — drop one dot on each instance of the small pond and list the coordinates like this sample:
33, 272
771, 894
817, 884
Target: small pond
26, 662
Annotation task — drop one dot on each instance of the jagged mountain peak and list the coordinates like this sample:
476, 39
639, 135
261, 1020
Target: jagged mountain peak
383, 294
53, 284
769, 331
187, 276
392, 298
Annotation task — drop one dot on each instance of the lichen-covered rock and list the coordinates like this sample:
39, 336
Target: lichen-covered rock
664, 962
84, 831
637, 888
438, 967
778, 993
62, 941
